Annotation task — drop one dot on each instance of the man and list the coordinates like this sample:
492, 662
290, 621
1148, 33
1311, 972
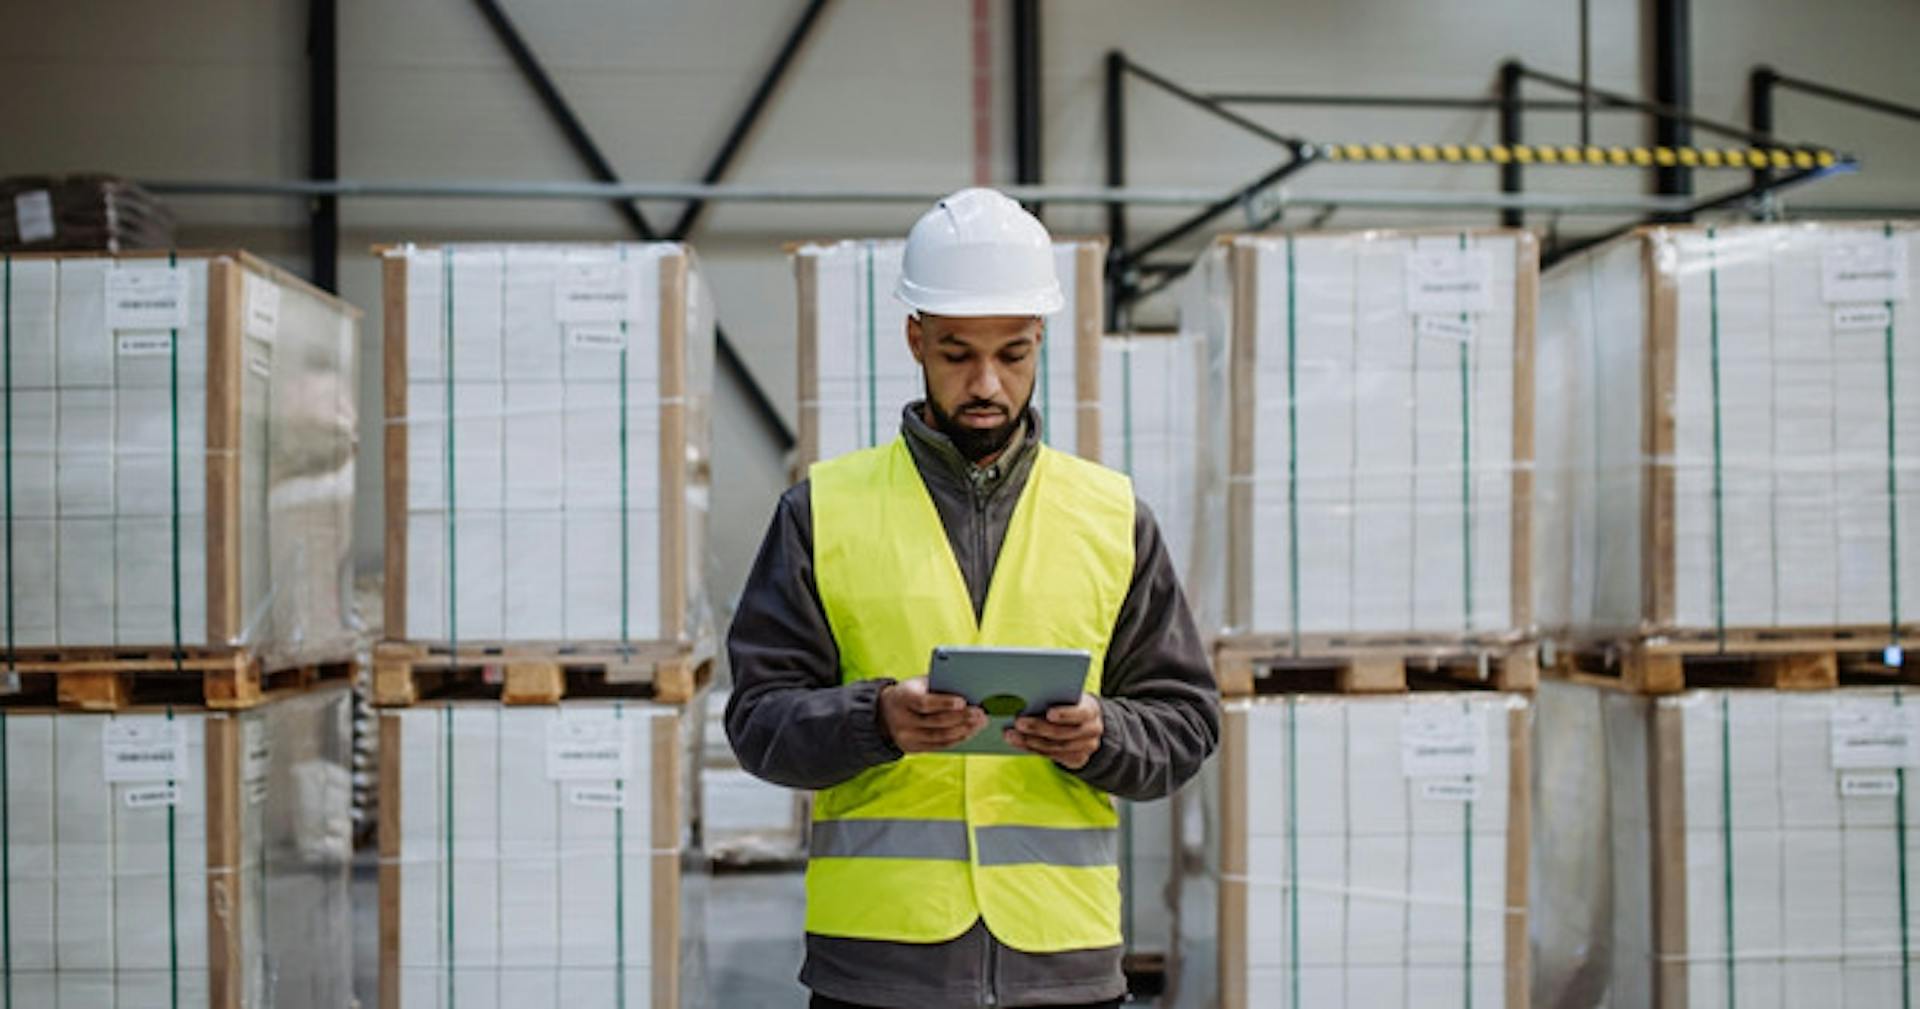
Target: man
940, 880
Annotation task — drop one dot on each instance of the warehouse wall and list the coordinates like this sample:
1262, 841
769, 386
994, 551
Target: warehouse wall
216, 89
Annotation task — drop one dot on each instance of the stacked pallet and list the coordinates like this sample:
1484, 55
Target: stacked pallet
1730, 412
856, 372
1373, 851
81, 213
546, 629
179, 458
1726, 847
546, 471
1363, 518
533, 855
178, 856
1366, 461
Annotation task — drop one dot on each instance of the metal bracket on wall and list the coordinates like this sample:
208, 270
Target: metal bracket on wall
583, 145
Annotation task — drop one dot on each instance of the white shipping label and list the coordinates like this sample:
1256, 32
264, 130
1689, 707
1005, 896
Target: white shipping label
587, 747
1875, 736
1869, 785
1442, 741
260, 363
144, 749
33, 215
601, 337
591, 292
1450, 791
1449, 282
1853, 317
1871, 269
1445, 327
145, 345
146, 298
263, 307
599, 798
150, 796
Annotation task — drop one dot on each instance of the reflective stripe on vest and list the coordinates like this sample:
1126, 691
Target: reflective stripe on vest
918, 849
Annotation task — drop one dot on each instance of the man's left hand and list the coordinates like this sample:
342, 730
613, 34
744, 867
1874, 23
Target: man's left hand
1068, 734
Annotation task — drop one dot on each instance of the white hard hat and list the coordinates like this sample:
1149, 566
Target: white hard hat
979, 253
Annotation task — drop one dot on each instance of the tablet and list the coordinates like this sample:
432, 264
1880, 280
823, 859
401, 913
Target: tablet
1007, 683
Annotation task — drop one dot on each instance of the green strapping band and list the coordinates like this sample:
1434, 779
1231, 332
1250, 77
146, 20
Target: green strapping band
1466, 903
873, 437
1466, 491
1893, 500
1293, 464
626, 606
173, 437
173, 900
453, 580
620, 877
1900, 842
1719, 531
6, 458
1726, 832
1293, 852
446, 833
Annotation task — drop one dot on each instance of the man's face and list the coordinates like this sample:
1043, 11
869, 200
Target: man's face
979, 374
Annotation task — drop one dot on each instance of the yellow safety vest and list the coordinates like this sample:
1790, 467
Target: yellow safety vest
918, 849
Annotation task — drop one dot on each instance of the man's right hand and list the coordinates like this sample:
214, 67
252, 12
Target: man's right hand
921, 721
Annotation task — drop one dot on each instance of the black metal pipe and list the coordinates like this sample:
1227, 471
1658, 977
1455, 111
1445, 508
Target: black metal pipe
1707, 205
323, 140
1026, 93
1673, 91
1116, 115
1586, 78
1849, 97
750, 115
562, 113
1198, 99
1659, 108
1760, 110
1300, 159
589, 152
1510, 134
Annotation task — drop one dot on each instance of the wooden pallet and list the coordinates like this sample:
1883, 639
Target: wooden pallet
405, 673
1252, 665
114, 679
1769, 658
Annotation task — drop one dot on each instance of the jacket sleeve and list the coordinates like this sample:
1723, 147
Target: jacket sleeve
1159, 701
789, 718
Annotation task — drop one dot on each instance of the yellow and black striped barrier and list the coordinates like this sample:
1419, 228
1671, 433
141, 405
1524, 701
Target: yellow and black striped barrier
1574, 154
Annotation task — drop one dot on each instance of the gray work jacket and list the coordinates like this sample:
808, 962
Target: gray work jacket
793, 722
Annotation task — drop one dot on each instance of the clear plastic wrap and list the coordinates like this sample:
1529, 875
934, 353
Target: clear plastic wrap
1728, 421
567, 501
536, 855
180, 453
1724, 847
225, 885
1368, 458
856, 372
1371, 851
1149, 425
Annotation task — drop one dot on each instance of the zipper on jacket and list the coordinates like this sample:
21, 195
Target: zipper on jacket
978, 477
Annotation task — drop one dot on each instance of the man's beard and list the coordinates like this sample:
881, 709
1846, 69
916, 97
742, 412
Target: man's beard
973, 442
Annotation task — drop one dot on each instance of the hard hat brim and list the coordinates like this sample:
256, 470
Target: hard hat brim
1040, 301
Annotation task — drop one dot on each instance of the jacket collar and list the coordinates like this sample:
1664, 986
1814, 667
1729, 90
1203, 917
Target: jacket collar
936, 457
